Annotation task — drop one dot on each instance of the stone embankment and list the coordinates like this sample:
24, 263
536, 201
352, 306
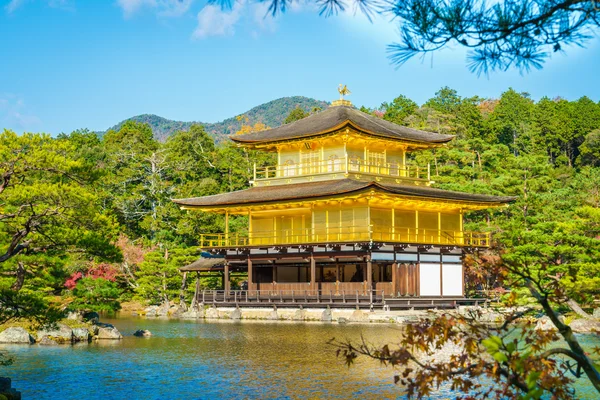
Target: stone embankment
342, 316
76, 328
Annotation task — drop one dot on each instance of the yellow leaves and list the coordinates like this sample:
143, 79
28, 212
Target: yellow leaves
248, 128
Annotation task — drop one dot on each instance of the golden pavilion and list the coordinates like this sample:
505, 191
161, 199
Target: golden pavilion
343, 217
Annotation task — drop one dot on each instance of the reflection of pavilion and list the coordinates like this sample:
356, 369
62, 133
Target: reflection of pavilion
344, 213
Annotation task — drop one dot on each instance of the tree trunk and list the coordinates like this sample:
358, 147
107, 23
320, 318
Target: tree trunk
182, 304
577, 309
20, 277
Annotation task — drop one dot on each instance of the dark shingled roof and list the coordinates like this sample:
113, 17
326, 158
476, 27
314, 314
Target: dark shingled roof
337, 117
299, 191
204, 264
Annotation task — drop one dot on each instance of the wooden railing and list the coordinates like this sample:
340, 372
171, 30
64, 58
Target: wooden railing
344, 165
345, 234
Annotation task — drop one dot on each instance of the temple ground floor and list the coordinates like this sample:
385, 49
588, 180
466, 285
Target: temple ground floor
348, 275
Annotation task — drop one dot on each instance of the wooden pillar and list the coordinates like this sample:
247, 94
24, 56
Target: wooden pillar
313, 273
394, 279
369, 275
226, 278
226, 227
250, 274
195, 301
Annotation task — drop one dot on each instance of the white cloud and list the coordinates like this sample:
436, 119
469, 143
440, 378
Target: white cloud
214, 21
66, 5
13, 5
14, 113
163, 8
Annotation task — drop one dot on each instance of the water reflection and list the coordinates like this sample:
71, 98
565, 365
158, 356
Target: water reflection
189, 359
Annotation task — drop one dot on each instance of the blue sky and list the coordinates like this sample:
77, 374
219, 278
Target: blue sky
69, 64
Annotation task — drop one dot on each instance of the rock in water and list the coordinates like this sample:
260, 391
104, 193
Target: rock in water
273, 316
75, 316
109, 334
46, 341
359, 316
81, 335
142, 333
61, 333
15, 335
585, 325
299, 315
544, 324
326, 316
236, 314
91, 316
192, 314
212, 313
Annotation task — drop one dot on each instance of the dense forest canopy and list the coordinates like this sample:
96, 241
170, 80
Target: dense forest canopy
87, 221
78, 204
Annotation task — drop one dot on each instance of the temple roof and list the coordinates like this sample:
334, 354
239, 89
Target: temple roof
322, 189
338, 117
204, 264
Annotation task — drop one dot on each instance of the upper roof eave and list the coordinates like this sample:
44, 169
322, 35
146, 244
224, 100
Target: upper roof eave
328, 189
336, 118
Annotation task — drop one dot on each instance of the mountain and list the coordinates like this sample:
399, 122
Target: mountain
271, 114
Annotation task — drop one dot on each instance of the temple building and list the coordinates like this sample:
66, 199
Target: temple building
344, 214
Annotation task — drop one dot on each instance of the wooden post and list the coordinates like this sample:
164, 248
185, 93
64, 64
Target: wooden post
197, 291
394, 279
369, 279
313, 273
250, 276
226, 279
226, 227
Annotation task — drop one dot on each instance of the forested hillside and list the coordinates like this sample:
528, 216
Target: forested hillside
83, 210
271, 114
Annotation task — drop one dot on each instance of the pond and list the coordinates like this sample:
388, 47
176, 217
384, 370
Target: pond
202, 360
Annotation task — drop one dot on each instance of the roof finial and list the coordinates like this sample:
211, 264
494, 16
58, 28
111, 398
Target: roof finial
343, 91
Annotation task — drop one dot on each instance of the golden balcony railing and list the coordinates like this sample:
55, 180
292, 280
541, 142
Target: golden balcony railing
342, 165
345, 234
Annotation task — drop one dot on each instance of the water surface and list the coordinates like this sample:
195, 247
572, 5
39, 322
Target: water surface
207, 360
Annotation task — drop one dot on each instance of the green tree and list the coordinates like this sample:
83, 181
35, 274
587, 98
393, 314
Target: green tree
159, 278
98, 295
295, 115
399, 109
48, 215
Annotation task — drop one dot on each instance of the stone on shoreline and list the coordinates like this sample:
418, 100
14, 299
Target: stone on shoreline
212, 313
75, 315
7, 391
61, 333
326, 315
108, 333
342, 320
47, 341
359, 316
15, 335
299, 315
236, 314
92, 317
81, 335
596, 313
142, 333
273, 316
192, 314
585, 325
